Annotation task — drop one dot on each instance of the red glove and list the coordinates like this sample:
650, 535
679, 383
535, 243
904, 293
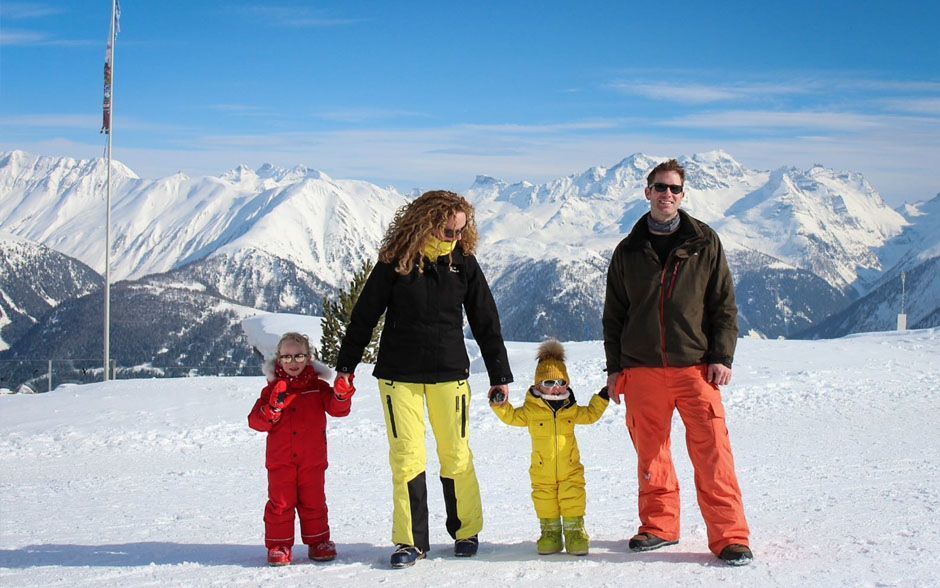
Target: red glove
343, 387
279, 399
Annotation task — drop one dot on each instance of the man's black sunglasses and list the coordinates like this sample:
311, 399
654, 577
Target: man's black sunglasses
661, 187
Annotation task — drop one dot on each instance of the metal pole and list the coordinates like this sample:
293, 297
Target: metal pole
903, 277
107, 224
50, 375
902, 317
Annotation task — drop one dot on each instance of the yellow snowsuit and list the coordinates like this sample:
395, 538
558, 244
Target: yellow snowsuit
556, 472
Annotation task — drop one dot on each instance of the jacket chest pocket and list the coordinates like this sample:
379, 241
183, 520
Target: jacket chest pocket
452, 284
565, 426
409, 298
306, 416
540, 429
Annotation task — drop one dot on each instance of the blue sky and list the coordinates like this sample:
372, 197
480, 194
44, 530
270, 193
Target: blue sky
430, 94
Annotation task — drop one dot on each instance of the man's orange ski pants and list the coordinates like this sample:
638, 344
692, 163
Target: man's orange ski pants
651, 395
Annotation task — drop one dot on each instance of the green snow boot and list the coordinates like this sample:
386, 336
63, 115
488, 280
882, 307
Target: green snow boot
550, 541
577, 541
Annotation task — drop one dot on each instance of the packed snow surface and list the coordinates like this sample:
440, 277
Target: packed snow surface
161, 483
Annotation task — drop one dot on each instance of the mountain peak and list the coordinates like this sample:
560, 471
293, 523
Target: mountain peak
298, 172
484, 180
715, 157
637, 161
239, 174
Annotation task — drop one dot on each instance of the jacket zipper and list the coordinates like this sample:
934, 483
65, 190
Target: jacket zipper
675, 276
555, 441
662, 316
391, 415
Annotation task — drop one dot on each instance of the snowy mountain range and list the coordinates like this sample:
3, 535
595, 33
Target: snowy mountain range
298, 215
33, 280
803, 244
159, 326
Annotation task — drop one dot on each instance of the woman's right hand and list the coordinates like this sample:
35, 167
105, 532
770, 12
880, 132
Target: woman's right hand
499, 394
342, 376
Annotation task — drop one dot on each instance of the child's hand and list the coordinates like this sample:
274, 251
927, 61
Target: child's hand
499, 395
613, 387
343, 388
280, 398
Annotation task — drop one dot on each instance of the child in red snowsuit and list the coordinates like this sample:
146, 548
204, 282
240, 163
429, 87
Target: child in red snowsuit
292, 411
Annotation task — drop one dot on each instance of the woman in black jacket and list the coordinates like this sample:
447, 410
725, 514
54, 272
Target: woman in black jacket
425, 279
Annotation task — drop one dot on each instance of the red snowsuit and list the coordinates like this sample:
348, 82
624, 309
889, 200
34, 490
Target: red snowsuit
296, 457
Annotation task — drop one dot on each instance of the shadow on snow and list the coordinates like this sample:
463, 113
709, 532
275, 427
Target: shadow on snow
165, 553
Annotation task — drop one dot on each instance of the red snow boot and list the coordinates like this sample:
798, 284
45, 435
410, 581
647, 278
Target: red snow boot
279, 556
324, 551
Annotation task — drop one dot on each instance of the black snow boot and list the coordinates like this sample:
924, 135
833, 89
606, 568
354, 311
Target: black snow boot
466, 547
405, 556
648, 542
736, 555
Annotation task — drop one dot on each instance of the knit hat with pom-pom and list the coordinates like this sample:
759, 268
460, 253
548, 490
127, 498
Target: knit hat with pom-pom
551, 366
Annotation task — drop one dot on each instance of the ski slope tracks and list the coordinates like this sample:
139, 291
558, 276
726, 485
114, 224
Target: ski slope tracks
160, 482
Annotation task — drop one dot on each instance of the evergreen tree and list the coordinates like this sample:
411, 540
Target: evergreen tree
336, 314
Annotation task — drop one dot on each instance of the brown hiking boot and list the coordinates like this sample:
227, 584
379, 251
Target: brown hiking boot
736, 555
648, 542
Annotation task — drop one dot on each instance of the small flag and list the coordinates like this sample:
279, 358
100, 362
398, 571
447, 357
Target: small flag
106, 122
108, 59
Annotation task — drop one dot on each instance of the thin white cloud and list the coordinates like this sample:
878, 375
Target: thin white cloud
888, 85
916, 105
247, 110
26, 10
359, 115
526, 129
14, 37
783, 92
20, 37
765, 119
693, 93
55, 121
87, 122
688, 94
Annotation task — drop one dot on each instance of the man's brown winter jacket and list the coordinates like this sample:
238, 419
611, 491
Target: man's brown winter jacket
679, 315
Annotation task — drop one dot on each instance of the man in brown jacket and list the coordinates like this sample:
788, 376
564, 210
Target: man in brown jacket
670, 328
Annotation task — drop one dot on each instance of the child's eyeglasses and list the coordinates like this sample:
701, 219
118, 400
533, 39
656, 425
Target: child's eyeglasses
554, 383
298, 357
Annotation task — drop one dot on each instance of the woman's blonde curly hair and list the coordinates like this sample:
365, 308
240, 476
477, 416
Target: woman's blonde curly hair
417, 220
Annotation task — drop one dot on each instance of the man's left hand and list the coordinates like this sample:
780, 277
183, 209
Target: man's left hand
719, 374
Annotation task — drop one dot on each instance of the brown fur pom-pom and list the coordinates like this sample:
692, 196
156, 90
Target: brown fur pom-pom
551, 349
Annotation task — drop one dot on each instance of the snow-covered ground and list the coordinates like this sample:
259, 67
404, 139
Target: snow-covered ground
160, 482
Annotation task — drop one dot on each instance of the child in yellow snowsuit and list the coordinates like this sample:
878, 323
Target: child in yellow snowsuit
551, 412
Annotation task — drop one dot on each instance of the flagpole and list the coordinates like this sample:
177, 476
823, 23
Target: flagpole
107, 224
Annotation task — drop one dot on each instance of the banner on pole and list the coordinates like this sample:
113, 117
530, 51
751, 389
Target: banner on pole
109, 57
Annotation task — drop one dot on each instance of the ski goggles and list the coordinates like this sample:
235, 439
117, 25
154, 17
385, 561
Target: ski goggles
553, 383
298, 357
661, 187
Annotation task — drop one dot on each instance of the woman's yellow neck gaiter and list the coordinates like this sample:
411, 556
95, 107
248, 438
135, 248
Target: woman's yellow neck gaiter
434, 247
